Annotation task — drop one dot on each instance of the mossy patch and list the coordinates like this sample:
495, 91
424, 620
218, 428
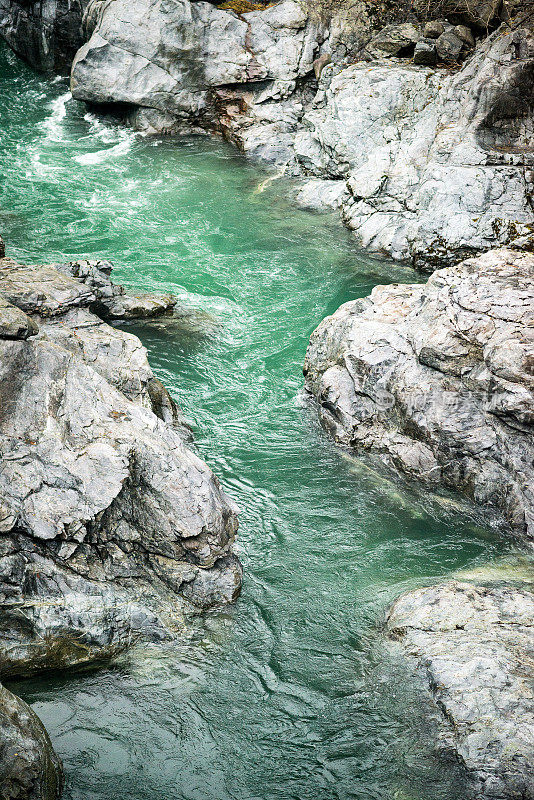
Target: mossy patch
243, 6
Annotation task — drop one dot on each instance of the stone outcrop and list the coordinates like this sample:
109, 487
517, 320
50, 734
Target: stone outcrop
437, 165
29, 767
434, 164
475, 647
164, 59
45, 33
111, 527
438, 380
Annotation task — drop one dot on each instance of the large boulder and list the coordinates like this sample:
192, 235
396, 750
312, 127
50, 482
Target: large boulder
475, 647
29, 767
108, 520
167, 57
438, 165
45, 33
437, 379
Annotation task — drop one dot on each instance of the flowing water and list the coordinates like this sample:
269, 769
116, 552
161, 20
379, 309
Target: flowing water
292, 693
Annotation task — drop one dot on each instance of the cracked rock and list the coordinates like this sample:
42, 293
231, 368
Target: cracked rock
437, 379
108, 520
475, 646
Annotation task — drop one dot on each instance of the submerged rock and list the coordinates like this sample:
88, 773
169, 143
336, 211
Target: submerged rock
29, 767
475, 647
108, 521
437, 379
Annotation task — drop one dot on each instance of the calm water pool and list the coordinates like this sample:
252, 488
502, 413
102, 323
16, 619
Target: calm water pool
291, 694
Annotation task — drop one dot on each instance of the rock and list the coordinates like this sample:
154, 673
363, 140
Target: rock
449, 47
394, 40
29, 767
45, 33
433, 29
321, 195
425, 53
438, 166
474, 646
169, 57
113, 302
108, 520
482, 15
14, 323
320, 63
2, 248
436, 379
464, 33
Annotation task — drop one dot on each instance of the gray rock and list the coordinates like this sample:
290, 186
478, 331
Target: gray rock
108, 520
464, 33
482, 15
14, 323
449, 47
438, 165
394, 40
170, 57
436, 379
113, 302
45, 33
474, 646
433, 29
425, 53
29, 767
321, 195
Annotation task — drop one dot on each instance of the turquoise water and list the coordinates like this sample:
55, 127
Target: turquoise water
292, 694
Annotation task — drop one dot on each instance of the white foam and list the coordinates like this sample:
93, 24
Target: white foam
120, 149
53, 125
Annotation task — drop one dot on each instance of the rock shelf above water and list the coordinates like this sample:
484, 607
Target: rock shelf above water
437, 379
475, 645
108, 519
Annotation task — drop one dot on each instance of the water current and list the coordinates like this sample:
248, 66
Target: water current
293, 693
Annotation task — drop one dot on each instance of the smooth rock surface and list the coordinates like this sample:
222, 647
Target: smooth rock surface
475, 646
438, 380
168, 57
106, 515
29, 767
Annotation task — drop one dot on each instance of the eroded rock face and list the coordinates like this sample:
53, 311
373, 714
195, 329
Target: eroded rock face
107, 519
438, 166
29, 767
167, 57
475, 646
438, 379
45, 33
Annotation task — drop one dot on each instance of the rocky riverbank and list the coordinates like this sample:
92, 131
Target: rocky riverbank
436, 380
417, 125
109, 520
474, 645
419, 131
112, 528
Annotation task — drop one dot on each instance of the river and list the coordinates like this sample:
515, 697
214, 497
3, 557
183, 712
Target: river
292, 694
